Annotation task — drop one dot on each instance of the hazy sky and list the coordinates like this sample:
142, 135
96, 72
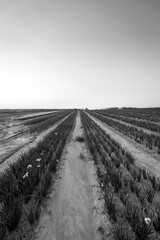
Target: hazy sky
79, 53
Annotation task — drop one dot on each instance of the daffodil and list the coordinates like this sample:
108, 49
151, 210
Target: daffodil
29, 166
147, 220
38, 159
25, 175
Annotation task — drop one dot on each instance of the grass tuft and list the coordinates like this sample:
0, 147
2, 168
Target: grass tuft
80, 139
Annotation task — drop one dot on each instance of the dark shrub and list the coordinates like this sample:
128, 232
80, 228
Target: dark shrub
80, 139
14, 213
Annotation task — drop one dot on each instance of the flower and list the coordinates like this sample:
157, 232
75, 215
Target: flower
38, 159
29, 166
38, 165
56, 160
25, 175
56, 133
147, 220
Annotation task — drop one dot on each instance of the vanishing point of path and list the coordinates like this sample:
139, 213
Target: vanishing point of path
74, 209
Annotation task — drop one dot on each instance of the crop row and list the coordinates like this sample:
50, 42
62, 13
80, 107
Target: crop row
29, 178
34, 115
138, 122
38, 119
41, 123
147, 114
131, 193
150, 140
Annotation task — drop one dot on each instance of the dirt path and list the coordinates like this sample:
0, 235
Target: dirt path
142, 156
74, 209
24, 143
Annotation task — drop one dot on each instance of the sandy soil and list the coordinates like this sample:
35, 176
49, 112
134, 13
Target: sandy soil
9, 126
11, 149
75, 208
142, 156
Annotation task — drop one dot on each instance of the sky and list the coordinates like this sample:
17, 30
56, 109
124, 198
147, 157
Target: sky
79, 53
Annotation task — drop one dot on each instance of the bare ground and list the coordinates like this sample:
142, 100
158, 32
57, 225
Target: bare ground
75, 207
142, 156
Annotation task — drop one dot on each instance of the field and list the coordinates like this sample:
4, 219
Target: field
18, 130
80, 174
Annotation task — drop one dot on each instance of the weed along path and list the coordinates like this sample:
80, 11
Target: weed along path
74, 209
142, 156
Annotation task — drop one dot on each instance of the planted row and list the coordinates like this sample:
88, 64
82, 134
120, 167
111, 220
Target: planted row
30, 177
131, 194
35, 115
150, 140
138, 122
41, 123
147, 114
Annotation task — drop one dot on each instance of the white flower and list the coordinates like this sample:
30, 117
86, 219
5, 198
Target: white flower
38, 165
56, 160
25, 175
147, 220
56, 133
29, 166
38, 159
102, 184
